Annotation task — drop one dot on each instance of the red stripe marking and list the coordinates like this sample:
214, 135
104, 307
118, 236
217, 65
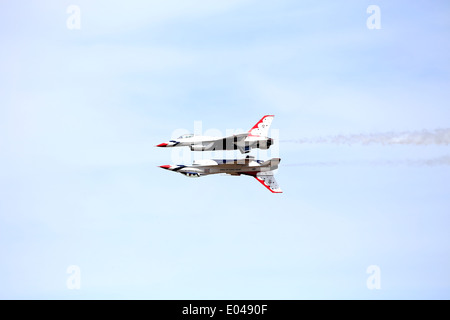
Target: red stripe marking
256, 125
265, 185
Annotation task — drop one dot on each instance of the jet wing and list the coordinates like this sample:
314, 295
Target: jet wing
239, 137
267, 180
236, 141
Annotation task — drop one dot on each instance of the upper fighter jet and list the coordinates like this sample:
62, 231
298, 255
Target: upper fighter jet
256, 137
260, 170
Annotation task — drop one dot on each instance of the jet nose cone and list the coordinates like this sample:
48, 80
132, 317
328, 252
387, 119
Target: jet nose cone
165, 166
162, 145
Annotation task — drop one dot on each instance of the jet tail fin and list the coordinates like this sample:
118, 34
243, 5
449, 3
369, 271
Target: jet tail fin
267, 180
261, 128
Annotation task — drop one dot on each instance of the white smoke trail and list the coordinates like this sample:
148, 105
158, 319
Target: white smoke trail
440, 161
424, 137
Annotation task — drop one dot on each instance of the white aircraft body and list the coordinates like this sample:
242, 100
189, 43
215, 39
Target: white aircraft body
260, 170
255, 138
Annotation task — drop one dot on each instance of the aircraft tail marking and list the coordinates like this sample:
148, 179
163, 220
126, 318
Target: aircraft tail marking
267, 180
261, 128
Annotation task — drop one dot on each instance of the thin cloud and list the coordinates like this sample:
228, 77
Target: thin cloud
424, 137
431, 162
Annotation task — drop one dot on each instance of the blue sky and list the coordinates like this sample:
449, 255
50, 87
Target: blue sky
81, 111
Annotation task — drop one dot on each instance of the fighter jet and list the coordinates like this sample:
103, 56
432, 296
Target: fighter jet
260, 170
256, 137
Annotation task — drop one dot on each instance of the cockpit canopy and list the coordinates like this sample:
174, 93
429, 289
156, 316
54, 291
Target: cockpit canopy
185, 136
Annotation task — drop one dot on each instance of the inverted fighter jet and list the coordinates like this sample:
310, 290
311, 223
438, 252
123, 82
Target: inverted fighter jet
256, 137
260, 170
